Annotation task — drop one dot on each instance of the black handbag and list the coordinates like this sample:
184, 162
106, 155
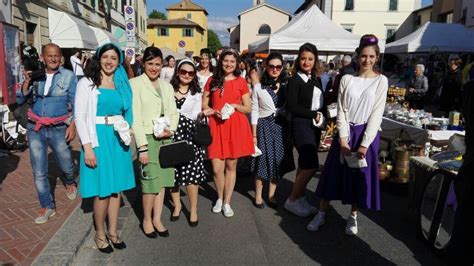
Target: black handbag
202, 132
21, 112
176, 153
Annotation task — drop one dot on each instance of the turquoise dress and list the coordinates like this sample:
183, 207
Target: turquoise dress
114, 171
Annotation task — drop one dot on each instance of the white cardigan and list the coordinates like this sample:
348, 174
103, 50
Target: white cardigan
85, 111
262, 104
192, 106
373, 112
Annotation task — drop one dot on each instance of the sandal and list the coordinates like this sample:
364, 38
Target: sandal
103, 244
118, 244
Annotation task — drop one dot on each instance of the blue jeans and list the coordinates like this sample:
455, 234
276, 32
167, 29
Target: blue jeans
53, 137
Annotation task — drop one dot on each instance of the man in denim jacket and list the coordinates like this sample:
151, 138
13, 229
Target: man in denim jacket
47, 126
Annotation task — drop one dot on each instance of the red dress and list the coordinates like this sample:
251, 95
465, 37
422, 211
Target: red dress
231, 138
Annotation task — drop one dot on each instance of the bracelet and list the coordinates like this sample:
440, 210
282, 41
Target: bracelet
142, 151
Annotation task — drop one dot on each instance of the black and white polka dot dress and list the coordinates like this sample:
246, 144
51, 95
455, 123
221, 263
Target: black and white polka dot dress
193, 172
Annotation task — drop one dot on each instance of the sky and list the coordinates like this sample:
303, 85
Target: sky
221, 16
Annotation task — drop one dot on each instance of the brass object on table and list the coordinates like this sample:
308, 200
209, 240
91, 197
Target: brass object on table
402, 165
383, 171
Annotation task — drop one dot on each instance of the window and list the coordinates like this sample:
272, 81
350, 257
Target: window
163, 32
390, 32
349, 5
92, 3
189, 16
188, 32
393, 5
264, 30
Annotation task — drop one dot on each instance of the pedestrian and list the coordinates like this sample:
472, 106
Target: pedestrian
361, 103
418, 88
205, 67
78, 60
168, 71
137, 66
103, 105
270, 129
226, 101
243, 66
188, 97
305, 104
153, 98
451, 93
50, 125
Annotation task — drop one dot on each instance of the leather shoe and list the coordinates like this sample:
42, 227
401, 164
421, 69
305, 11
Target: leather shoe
174, 218
259, 205
149, 235
165, 233
193, 223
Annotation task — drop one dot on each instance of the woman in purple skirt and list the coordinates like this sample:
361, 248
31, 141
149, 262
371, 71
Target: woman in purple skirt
361, 102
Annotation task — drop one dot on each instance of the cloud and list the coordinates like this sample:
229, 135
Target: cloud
220, 24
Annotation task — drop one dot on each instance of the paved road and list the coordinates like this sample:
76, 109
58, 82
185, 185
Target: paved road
268, 237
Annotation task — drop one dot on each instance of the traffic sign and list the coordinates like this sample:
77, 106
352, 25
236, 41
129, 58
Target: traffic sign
182, 44
130, 51
130, 25
129, 13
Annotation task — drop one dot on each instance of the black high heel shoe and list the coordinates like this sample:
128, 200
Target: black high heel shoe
165, 233
149, 235
119, 244
104, 249
175, 218
193, 223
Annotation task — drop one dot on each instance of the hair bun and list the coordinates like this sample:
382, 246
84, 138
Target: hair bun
368, 39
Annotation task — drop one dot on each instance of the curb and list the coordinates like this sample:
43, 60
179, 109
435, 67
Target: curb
67, 241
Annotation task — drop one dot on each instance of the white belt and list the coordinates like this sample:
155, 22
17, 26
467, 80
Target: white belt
108, 120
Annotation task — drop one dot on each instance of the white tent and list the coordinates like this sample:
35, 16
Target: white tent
104, 36
167, 51
442, 37
309, 26
68, 31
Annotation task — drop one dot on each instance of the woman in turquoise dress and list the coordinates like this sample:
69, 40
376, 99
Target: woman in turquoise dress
103, 108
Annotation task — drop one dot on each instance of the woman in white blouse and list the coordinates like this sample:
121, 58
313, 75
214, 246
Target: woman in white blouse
168, 71
361, 102
205, 67
188, 97
270, 129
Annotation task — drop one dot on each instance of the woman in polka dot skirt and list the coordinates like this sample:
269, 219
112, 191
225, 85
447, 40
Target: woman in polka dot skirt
188, 98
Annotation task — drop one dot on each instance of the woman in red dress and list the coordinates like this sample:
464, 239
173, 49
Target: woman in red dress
231, 135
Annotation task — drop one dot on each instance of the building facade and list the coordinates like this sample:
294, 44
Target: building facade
256, 23
184, 31
379, 17
464, 13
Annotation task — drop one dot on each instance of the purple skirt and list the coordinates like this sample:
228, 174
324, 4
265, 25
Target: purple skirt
352, 186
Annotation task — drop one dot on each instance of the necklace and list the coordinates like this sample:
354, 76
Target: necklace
185, 93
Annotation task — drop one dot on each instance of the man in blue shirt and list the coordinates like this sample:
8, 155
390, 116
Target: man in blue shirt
48, 126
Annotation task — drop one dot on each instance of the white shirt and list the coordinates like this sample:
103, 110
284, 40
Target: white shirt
85, 110
203, 79
192, 106
360, 101
167, 73
47, 85
76, 66
262, 104
318, 99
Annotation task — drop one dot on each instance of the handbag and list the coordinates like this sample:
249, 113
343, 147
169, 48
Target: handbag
202, 132
21, 112
176, 153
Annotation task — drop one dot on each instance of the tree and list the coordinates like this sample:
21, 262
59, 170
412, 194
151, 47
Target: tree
213, 42
156, 14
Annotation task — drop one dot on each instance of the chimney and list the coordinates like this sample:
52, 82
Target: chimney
258, 2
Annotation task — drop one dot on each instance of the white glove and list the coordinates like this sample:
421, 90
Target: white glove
227, 111
321, 121
160, 124
257, 152
123, 129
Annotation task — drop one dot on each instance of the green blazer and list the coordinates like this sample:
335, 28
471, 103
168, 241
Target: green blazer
148, 104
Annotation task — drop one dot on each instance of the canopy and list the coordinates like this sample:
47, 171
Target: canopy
68, 31
309, 26
442, 37
104, 36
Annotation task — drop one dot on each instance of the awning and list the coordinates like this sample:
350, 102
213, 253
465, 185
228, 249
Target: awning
104, 36
68, 31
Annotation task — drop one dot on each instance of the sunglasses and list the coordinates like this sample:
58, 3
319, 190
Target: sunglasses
278, 67
189, 73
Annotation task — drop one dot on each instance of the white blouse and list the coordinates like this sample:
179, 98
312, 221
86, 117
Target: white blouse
167, 73
360, 101
203, 79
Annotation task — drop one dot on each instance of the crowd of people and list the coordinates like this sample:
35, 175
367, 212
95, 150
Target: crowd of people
258, 111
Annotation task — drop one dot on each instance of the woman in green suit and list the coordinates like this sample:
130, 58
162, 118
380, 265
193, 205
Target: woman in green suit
153, 98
